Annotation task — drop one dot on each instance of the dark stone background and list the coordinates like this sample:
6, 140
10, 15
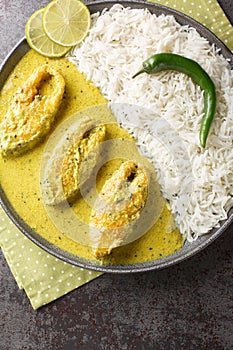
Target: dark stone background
187, 306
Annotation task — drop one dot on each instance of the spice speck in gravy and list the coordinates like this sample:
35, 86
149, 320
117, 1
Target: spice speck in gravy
22, 187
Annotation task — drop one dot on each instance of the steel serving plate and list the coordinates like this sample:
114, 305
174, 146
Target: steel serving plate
188, 250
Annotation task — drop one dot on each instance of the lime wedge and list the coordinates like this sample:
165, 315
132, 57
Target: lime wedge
66, 22
38, 40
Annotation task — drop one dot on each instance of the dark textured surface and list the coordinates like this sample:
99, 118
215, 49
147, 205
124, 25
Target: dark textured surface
188, 306
227, 6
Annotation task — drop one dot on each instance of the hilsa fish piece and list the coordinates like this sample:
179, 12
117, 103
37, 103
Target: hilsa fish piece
31, 112
120, 203
72, 161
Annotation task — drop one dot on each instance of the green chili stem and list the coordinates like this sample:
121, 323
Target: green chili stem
169, 61
138, 73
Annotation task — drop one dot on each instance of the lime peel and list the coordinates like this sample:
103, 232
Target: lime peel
39, 41
66, 22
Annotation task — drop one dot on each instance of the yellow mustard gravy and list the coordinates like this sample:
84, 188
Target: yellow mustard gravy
20, 176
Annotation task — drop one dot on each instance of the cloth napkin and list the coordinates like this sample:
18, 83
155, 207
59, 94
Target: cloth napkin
44, 277
207, 12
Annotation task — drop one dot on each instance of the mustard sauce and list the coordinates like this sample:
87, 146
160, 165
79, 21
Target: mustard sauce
20, 176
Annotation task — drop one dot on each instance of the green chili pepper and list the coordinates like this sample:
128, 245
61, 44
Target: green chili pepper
170, 61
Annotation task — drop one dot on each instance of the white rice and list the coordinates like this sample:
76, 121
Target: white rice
197, 182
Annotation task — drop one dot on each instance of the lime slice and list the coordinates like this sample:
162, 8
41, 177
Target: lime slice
38, 40
66, 22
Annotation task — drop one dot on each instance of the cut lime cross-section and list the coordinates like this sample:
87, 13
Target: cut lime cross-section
39, 41
66, 22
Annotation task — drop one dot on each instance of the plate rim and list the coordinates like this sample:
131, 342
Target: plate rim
156, 264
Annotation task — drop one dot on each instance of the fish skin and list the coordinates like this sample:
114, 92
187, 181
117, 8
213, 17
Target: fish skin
31, 114
72, 162
77, 154
121, 201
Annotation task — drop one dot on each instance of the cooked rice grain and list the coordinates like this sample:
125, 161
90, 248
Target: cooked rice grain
119, 41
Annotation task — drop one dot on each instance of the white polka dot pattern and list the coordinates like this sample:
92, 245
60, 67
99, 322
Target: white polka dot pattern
43, 277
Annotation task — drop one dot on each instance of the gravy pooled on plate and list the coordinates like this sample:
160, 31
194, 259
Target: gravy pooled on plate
22, 187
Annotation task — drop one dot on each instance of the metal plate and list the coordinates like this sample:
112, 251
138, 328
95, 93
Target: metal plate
188, 249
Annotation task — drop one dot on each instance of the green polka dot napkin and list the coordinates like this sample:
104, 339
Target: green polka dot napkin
207, 12
44, 277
